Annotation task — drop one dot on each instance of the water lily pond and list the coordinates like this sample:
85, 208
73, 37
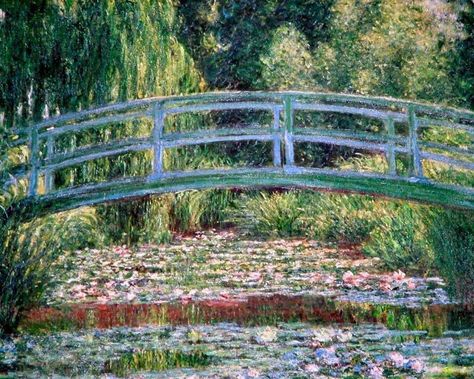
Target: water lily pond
213, 305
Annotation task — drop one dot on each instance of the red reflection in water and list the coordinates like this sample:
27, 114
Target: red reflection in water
249, 310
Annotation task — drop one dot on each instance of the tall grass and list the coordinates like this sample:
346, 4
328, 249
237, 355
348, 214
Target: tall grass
270, 214
399, 238
452, 236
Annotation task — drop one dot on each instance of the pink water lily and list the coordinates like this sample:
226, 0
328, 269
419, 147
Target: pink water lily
399, 275
385, 286
376, 373
396, 358
349, 279
255, 276
411, 285
416, 365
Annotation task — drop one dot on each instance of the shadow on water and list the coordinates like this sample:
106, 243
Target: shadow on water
155, 360
250, 311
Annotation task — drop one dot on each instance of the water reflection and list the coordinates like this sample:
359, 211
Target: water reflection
251, 311
155, 360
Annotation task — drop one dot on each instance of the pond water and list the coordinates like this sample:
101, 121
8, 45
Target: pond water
320, 311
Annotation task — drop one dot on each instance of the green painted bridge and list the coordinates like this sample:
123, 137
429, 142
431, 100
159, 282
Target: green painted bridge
409, 136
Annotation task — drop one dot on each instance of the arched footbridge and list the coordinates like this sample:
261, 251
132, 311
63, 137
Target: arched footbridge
414, 141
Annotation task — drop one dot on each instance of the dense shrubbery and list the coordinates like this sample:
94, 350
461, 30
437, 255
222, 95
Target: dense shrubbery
27, 251
452, 236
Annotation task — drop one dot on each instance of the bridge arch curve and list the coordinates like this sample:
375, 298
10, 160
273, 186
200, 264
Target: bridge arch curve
401, 130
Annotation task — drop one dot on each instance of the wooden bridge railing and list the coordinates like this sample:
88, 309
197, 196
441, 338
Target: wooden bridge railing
403, 122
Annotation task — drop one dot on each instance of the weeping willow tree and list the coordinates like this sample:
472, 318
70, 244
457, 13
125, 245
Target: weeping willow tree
62, 56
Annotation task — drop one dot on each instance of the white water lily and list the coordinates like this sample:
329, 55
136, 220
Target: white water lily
269, 334
324, 335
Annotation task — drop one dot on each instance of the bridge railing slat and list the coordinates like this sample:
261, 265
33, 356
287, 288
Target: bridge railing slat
390, 149
80, 126
467, 152
34, 158
89, 151
356, 144
276, 137
220, 107
288, 134
49, 174
212, 139
448, 160
98, 152
429, 122
367, 112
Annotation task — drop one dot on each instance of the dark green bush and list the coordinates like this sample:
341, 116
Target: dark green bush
27, 253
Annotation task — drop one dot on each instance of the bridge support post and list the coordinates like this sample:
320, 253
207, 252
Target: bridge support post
49, 174
415, 160
159, 122
276, 137
289, 147
390, 126
33, 178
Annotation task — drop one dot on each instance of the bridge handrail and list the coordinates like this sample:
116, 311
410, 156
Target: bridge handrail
444, 111
282, 132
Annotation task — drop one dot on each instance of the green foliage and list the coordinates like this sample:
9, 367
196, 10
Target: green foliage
391, 47
339, 217
452, 235
287, 63
275, 214
393, 231
400, 239
89, 53
27, 252
193, 210
145, 220
233, 41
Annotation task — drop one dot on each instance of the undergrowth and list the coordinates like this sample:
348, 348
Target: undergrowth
27, 251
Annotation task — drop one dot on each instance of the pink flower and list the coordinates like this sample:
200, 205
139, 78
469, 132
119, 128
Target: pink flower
385, 286
253, 373
224, 295
349, 279
396, 358
399, 275
376, 373
278, 276
185, 299
411, 285
416, 365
